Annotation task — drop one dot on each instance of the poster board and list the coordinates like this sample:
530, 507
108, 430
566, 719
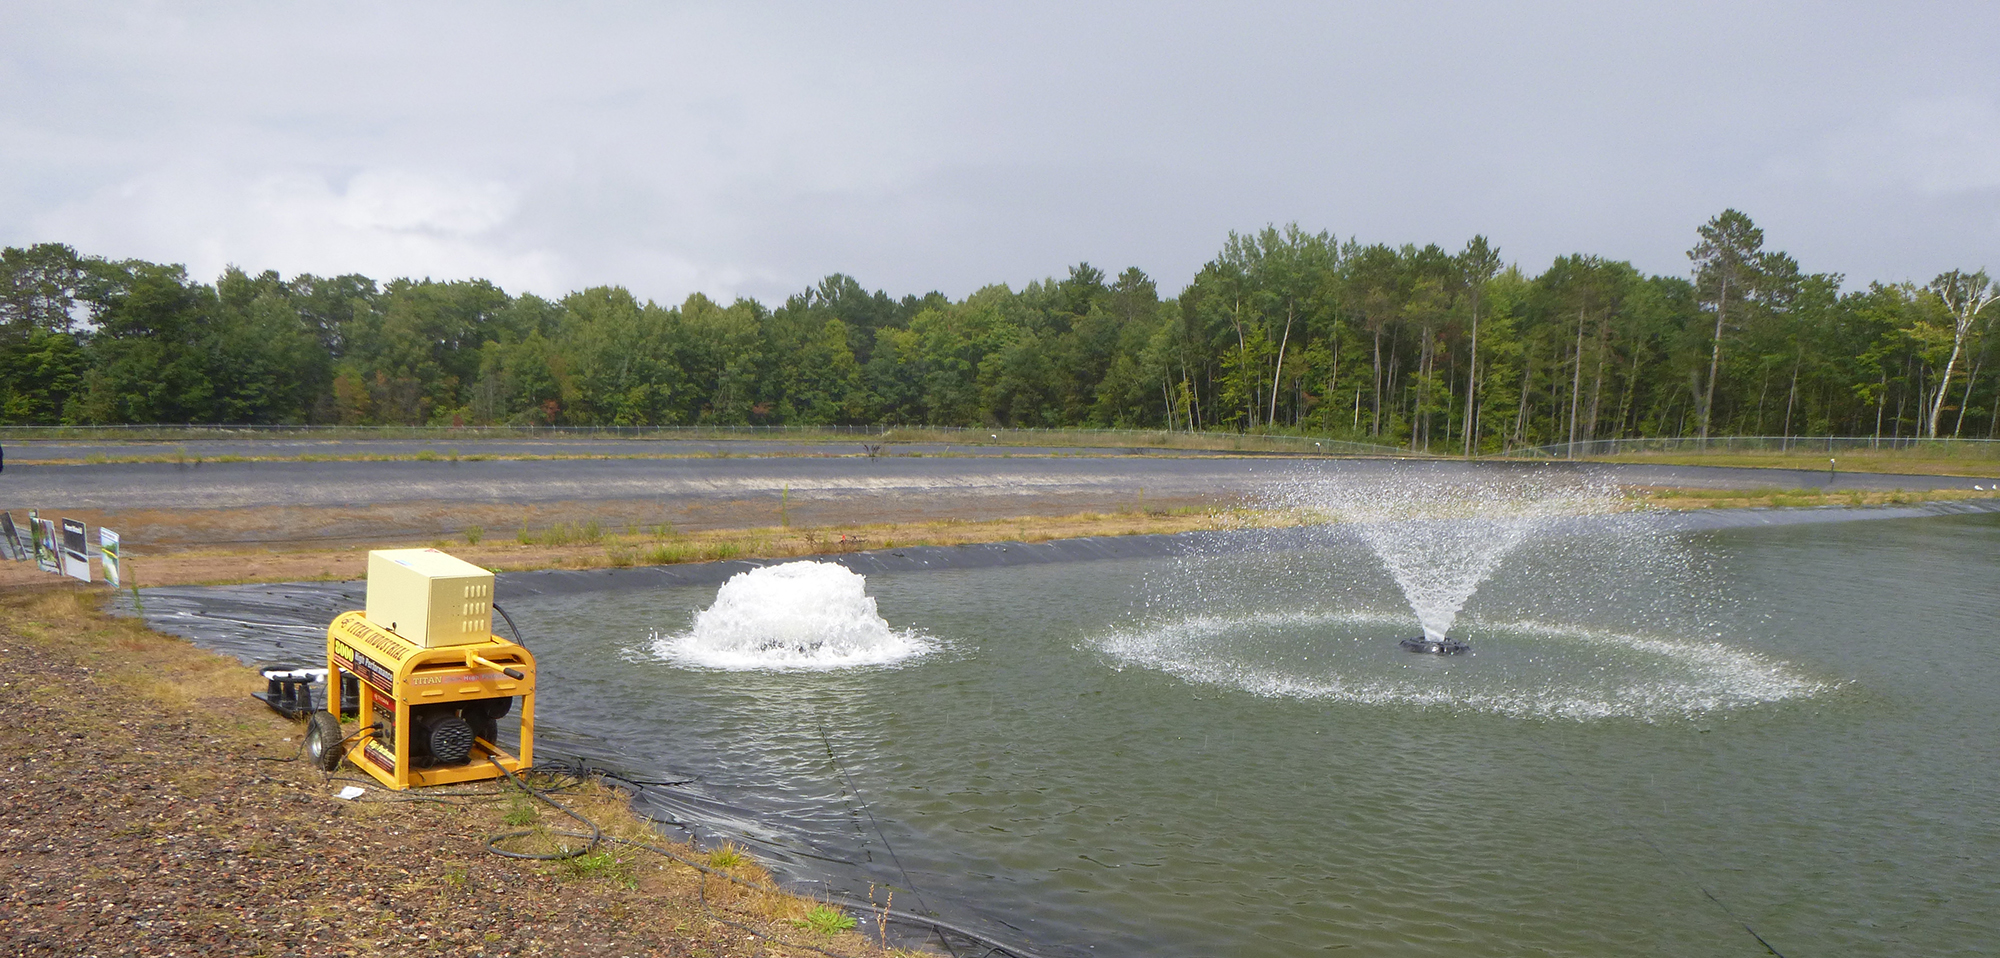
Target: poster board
75, 550
107, 545
10, 539
45, 544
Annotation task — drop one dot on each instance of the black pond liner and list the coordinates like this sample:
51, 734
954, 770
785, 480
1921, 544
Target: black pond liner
285, 623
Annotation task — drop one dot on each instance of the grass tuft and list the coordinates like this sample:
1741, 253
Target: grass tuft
728, 856
826, 920
599, 865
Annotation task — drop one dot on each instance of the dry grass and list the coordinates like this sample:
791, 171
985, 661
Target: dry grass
1675, 498
593, 545
139, 664
204, 698
1888, 462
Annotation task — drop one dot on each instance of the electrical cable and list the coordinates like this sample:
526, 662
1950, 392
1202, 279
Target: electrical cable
827, 740
302, 748
511, 627
596, 835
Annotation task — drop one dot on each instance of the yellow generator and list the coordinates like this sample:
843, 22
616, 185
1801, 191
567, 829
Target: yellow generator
433, 681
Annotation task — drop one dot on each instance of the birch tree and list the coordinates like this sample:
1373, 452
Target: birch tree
1964, 296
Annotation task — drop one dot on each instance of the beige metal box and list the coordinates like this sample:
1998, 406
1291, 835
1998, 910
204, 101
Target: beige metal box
430, 598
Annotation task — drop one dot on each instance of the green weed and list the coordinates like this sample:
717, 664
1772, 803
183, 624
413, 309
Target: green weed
667, 554
600, 865
728, 856
826, 920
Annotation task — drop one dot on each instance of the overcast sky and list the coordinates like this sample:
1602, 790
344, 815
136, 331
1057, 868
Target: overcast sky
742, 149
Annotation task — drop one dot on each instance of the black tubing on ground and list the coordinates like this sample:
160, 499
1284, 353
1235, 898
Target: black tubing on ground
593, 839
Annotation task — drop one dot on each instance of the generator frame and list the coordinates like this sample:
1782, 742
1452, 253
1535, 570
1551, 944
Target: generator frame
396, 674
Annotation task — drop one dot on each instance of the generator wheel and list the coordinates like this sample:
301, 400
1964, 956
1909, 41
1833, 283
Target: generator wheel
323, 740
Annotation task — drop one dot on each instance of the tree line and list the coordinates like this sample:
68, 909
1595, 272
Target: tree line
1283, 330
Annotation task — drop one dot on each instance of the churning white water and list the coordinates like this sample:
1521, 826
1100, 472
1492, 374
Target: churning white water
791, 617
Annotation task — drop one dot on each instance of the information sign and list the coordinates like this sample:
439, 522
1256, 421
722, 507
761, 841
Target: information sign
107, 545
75, 550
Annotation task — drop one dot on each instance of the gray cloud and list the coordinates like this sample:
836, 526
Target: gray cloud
739, 149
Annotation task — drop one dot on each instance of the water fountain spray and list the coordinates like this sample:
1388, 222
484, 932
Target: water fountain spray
1441, 535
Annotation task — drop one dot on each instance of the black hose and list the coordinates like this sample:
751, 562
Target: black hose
596, 836
302, 748
511, 627
827, 740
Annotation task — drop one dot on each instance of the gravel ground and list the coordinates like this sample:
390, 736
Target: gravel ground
157, 811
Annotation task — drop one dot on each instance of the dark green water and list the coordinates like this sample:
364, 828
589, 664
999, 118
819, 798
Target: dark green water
1659, 739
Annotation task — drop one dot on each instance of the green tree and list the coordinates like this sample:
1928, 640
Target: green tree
1477, 264
1725, 270
1964, 296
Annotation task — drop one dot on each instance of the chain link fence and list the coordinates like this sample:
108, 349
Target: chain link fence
1157, 438
1768, 445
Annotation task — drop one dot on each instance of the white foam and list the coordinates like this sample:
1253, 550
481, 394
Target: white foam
798, 616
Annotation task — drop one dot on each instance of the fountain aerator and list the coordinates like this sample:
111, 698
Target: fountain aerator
1442, 645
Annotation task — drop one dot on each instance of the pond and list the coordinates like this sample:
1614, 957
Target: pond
1660, 738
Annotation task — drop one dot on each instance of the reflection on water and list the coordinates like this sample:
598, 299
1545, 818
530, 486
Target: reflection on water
1228, 757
